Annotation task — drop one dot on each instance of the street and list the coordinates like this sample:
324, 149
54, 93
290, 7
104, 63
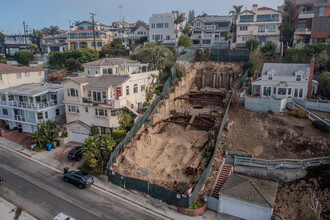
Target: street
43, 193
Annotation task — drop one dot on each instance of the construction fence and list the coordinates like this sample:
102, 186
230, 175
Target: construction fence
156, 191
223, 55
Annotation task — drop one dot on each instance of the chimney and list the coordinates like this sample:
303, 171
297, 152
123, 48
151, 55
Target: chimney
310, 80
255, 8
71, 28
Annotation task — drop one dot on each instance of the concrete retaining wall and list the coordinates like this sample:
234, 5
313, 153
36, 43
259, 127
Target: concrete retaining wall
315, 104
212, 203
265, 104
271, 174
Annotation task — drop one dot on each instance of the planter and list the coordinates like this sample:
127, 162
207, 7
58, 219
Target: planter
193, 212
63, 140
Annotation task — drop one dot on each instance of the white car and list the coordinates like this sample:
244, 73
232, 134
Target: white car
63, 216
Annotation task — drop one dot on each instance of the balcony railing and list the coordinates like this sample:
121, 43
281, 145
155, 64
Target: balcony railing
19, 117
113, 103
33, 106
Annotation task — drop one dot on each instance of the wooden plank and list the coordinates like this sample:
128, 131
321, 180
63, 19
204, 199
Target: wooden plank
187, 123
204, 120
193, 164
191, 121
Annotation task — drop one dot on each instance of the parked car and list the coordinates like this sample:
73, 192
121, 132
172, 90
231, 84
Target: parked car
79, 178
75, 153
1, 180
63, 216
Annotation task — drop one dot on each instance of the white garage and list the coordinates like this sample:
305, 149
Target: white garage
78, 136
247, 197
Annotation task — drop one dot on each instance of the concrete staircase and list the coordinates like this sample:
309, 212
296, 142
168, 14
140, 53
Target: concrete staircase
224, 173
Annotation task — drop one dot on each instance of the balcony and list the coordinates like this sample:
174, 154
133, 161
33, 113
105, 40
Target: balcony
306, 14
111, 103
303, 31
32, 106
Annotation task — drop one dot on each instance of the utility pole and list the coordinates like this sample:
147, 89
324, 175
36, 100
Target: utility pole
24, 32
93, 14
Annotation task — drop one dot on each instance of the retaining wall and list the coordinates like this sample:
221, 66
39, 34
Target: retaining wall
314, 104
265, 104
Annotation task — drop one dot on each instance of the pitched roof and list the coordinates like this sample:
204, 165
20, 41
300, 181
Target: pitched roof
109, 62
4, 68
137, 27
249, 189
286, 69
78, 122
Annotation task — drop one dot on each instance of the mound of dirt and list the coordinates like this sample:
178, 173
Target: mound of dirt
164, 155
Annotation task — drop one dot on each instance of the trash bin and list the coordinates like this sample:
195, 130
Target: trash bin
49, 147
54, 144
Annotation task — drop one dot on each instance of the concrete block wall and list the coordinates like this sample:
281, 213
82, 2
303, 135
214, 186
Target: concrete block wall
265, 104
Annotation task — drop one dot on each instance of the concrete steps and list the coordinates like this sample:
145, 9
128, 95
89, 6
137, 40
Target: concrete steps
225, 171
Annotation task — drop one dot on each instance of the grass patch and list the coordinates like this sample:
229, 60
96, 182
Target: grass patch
196, 205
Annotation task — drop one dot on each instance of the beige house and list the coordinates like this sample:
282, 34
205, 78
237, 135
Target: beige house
108, 86
16, 75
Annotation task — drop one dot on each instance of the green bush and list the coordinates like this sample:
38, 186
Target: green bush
94, 130
23, 57
269, 48
254, 43
196, 205
119, 135
299, 113
64, 134
157, 91
185, 41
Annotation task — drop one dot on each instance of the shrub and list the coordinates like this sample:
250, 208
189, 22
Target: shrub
185, 41
299, 113
119, 135
256, 63
252, 43
23, 57
269, 48
94, 130
64, 134
157, 91
196, 205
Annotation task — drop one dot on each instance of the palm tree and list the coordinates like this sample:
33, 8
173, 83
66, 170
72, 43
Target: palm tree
180, 18
236, 11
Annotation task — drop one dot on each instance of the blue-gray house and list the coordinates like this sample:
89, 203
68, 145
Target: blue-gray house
25, 105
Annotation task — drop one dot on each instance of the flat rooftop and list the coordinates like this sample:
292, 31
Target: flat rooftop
32, 89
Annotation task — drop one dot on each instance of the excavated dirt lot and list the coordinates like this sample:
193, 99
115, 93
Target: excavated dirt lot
274, 136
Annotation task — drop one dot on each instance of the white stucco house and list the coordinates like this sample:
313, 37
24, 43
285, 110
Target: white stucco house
247, 197
162, 28
137, 33
259, 23
107, 86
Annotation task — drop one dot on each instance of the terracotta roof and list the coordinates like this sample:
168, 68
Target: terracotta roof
249, 189
247, 11
109, 62
4, 68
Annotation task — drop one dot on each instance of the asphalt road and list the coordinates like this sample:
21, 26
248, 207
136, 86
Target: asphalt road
42, 193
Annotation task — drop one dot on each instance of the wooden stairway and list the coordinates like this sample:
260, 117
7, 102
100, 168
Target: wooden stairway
225, 171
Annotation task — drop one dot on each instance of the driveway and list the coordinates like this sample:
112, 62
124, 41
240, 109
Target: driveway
60, 154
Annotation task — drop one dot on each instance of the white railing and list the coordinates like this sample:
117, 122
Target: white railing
280, 163
34, 106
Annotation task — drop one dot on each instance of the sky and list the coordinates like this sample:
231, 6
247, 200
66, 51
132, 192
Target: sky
44, 13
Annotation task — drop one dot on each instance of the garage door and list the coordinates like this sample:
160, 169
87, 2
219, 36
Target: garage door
243, 209
27, 128
77, 136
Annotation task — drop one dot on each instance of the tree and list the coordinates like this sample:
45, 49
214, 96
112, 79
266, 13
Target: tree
73, 64
236, 10
2, 41
228, 37
186, 30
203, 15
325, 84
269, 49
23, 57
139, 23
96, 150
256, 63
52, 30
252, 44
191, 16
94, 130
32, 48
36, 37
287, 21
45, 133
126, 120
185, 41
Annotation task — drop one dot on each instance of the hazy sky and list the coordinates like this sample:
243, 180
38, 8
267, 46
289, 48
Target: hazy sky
43, 13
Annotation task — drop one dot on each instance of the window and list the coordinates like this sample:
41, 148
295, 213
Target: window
99, 44
261, 28
158, 37
268, 17
274, 92
166, 25
27, 74
73, 109
135, 88
5, 111
243, 28
96, 96
57, 111
160, 25
152, 25
113, 112
168, 37
301, 92
298, 77
101, 112
198, 23
143, 87
18, 75
267, 91
104, 95
46, 115
127, 90
117, 70
289, 91
40, 116
246, 38
321, 12
282, 91
246, 18
72, 92
107, 71
86, 109
32, 115
89, 94
295, 92
270, 76
3, 97
10, 97
271, 28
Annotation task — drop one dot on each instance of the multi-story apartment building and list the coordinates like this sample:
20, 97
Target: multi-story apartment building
211, 31
16, 75
83, 36
162, 27
57, 43
261, 24
108, 85
311, 22
24, 106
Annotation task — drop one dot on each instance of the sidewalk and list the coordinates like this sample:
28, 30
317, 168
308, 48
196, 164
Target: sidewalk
7, 211
149, 204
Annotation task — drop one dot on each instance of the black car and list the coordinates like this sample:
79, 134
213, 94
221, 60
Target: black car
75, 153
79, 178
